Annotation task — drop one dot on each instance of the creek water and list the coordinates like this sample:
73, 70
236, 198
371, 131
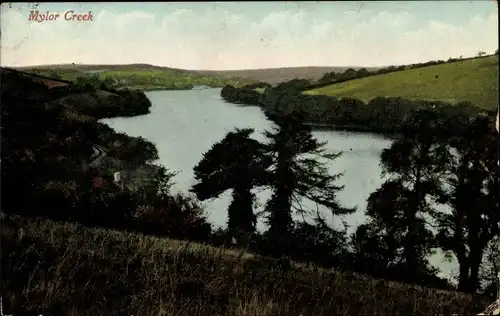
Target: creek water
184, 124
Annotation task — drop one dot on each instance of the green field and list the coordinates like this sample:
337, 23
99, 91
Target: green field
68, 269
160, 78
144, 79
474, 80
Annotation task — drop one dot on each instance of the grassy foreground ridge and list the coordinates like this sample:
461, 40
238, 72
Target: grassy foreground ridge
55, 268
474, 80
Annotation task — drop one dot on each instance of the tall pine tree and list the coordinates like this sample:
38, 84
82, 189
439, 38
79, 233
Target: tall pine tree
299, 170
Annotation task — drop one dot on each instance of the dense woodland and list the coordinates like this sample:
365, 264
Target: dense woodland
442, 154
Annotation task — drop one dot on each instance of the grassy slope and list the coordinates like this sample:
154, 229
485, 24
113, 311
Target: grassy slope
474, 80
67, 269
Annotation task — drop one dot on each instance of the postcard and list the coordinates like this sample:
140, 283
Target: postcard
250, 158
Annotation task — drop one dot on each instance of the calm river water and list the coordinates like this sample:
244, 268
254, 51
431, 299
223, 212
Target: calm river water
185, 124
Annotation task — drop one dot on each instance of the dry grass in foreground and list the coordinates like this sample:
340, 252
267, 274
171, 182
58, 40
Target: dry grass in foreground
68, 269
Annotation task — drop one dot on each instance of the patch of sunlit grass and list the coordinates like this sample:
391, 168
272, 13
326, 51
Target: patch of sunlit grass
474, 80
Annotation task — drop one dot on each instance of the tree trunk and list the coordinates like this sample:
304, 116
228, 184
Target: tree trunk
475, 259
241, 218
463, 281
460, 250
280, 204
410, 251
279, 208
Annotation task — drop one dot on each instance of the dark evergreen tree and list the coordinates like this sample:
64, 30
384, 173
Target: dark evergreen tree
237, 162
399, 209
299, 170
473, 195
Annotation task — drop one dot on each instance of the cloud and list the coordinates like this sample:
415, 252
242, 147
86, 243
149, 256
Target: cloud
218, 39
443, 40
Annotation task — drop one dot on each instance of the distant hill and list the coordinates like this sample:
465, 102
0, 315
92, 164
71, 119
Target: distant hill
103, 67
270, 75
474, 80
278, 75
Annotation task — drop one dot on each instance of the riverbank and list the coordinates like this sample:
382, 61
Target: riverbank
92, 271
162, 88
154, 88
343, 128
381, 115
64, 129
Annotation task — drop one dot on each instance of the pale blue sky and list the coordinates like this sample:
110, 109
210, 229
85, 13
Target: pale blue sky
238, 35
